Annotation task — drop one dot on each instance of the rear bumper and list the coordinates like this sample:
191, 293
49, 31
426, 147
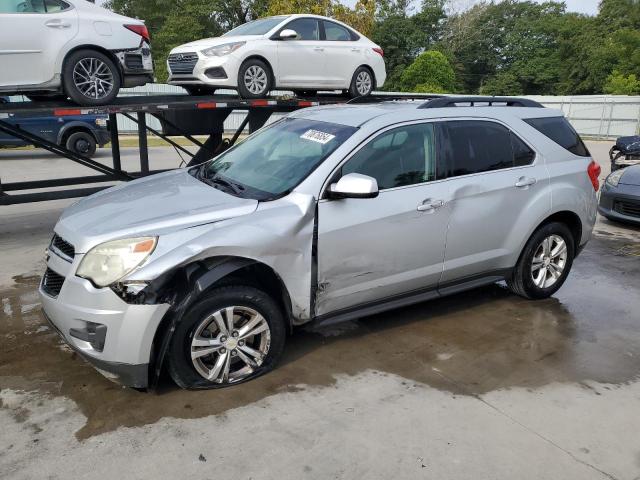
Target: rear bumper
136, 65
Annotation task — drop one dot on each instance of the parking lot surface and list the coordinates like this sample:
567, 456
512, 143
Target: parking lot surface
479, 385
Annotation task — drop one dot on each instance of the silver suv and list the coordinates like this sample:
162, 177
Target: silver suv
330, 214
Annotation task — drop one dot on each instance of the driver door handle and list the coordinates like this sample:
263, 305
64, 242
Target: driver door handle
430, 205
525, 182
57, 23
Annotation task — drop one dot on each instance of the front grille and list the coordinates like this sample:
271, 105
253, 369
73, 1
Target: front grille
52, 283
63, 246
182, 62
627, 208
133, 61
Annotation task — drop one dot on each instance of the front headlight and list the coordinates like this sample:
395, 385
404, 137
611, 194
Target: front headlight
110, 261
222, 50
101, 122
614, 178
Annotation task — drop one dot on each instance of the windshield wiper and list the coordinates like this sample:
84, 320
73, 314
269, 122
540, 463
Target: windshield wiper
219, 181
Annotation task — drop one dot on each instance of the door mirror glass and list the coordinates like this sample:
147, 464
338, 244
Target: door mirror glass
288, 34
354, 185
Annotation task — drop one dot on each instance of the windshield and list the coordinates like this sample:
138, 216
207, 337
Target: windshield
271, 162
257, 27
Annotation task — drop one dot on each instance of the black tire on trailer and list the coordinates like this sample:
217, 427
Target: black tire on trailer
255, 79
90, 78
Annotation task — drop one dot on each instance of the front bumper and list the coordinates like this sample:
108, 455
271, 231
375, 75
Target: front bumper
114, 336
211, 71
621, 203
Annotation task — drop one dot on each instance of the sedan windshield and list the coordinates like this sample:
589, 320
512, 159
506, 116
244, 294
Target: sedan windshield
257, 27
274, 160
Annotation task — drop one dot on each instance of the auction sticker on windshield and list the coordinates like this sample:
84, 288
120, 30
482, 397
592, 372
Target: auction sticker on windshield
317, 136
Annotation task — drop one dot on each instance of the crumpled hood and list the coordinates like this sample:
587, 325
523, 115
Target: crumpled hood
631, 175
213, 41
149, 206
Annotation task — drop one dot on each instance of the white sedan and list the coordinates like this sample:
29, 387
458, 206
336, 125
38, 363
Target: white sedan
70, 48
303, 53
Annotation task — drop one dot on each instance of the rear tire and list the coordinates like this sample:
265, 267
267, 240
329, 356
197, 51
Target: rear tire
200, 334
544, 263
362, 83
82, 143
90, 78
254, 79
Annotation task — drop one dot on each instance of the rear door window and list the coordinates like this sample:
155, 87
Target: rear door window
560, 131
522, 154
473, 146
335, 32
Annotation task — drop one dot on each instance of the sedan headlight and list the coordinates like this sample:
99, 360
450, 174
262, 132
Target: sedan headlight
614, 179
222, 50
110, 261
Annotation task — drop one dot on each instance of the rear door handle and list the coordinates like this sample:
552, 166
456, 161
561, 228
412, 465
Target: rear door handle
524, 182
319, 49
57, 23
430, 205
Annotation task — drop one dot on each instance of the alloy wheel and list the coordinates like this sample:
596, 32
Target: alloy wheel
549, 261
363, 83
256, 80
93, 78
230, 344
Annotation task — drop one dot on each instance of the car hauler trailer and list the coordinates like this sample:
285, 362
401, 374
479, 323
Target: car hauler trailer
182, 115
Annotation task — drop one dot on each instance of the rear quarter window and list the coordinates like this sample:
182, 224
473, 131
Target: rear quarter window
560, 131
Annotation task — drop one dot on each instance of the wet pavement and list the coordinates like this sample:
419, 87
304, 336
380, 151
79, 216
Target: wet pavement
508, 363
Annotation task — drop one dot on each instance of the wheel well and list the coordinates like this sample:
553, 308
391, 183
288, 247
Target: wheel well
71, 130
262, 59
97, 49
571, 220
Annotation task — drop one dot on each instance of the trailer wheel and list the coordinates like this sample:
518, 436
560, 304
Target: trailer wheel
82, 143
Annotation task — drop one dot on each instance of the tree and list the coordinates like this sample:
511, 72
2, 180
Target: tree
431, 71
403, 34
620, 84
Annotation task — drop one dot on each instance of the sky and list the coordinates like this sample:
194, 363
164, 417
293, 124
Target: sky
583, 6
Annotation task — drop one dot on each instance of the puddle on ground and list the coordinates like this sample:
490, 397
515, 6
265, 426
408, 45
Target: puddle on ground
467, 344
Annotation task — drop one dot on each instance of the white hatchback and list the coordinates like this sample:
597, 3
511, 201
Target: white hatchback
70, 48
303, 53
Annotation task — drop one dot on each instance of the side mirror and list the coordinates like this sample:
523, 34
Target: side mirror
354, 185
288, 34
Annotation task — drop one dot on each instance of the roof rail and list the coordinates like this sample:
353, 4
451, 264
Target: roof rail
508, 101
377, 98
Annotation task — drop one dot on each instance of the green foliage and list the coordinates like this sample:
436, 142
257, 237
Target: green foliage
620, 84
508, 47
430, 72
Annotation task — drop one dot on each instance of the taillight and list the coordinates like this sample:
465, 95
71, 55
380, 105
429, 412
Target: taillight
593, 170
140, 30
379, 51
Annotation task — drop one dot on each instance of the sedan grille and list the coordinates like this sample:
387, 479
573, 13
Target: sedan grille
64, 247
52, 283
627, 208
182, 63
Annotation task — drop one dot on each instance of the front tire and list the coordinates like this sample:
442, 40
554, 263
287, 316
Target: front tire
254, 79
544, 263
90, 78
362, 83
82, 143
235, 334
